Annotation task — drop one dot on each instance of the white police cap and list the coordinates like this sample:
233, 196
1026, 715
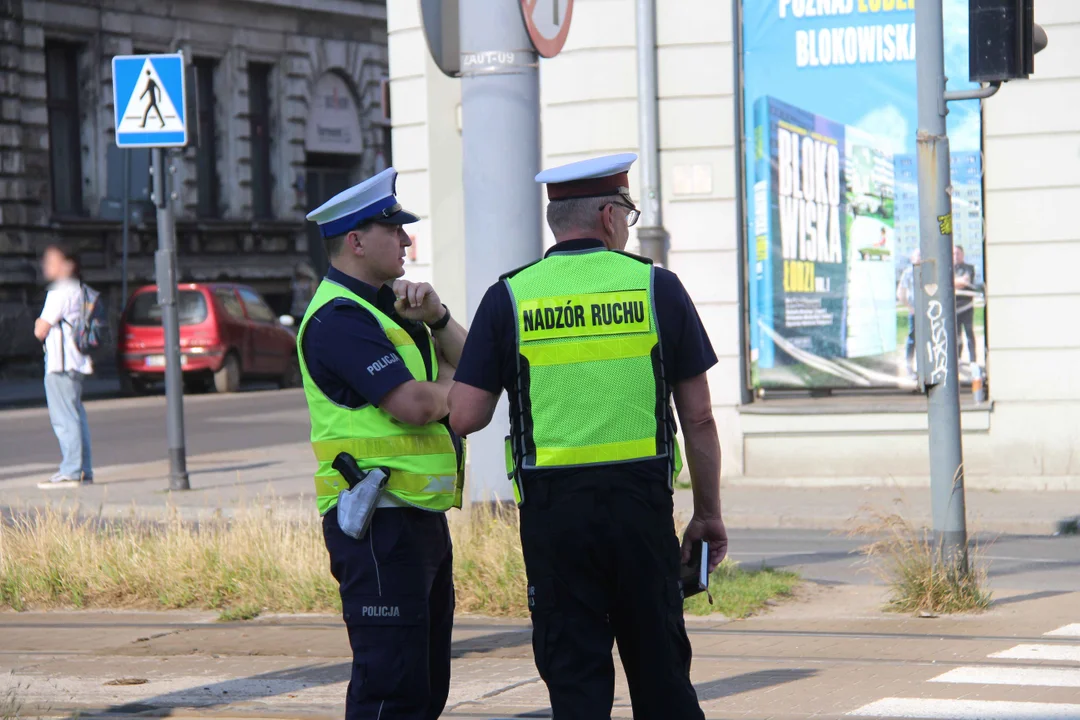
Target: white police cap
595, 177
371, 201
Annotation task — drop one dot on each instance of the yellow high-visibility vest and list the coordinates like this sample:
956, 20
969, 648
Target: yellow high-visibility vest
590, 385
425, 469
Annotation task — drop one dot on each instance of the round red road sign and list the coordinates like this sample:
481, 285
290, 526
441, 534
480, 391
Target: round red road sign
548, 23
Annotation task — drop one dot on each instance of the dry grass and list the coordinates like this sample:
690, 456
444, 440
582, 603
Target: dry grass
11, 707
50, 558
260, 561
268, 560
489, 569
919, 582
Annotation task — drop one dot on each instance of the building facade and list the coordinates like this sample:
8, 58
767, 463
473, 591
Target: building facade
285, 108
1026, 436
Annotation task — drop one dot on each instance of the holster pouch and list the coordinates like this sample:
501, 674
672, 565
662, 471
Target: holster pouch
356, 505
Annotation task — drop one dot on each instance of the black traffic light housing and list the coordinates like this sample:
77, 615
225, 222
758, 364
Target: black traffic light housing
1003, 39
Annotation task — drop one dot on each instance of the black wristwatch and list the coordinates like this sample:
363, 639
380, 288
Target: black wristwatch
441, 322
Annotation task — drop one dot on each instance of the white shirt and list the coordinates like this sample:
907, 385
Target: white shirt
64, 302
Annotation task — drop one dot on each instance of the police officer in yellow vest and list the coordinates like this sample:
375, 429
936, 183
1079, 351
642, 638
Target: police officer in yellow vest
376, 383
590, 344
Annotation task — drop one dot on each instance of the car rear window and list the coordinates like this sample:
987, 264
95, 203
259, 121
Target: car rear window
145, 311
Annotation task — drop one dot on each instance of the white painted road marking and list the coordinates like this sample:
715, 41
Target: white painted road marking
1032, 676
1064, 653
930, 709
1066, 631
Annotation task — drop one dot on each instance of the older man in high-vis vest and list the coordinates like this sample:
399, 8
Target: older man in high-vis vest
591, 344
376, 382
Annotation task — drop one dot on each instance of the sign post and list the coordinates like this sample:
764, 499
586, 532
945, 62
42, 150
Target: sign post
149, 101
938, 362
1003, 47
500, 138
126, 205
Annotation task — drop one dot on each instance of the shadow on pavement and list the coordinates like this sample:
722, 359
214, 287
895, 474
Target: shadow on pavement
748, 682
784, 561
1026, 567
512, 638
201, 471
279, 682
233, 468
1030, 596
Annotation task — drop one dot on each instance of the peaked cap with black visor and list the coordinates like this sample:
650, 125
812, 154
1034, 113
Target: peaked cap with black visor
371, 201
593, 178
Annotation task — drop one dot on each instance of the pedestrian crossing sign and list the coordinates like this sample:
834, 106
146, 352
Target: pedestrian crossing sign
149, 100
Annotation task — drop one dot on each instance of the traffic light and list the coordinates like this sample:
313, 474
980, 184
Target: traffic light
1003, 39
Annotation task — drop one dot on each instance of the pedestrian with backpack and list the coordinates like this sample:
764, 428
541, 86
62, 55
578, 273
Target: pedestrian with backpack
62, 327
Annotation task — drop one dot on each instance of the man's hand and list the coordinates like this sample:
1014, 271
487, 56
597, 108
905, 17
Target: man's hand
41, 329
712, 530
417, 301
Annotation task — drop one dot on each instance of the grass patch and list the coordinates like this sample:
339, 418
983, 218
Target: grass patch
738, 593
11, 707
53, 558
267, 560
905, 558
245, 611
489, 569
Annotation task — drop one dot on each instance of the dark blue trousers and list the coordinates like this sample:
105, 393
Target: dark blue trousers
397, 597
602, 558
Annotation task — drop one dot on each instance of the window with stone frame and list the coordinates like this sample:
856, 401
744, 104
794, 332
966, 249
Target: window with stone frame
208, 181
259, 114
65, 145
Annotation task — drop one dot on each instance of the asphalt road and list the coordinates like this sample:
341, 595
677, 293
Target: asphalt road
133, 430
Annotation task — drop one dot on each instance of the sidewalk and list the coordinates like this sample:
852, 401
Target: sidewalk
829, 653
223, 482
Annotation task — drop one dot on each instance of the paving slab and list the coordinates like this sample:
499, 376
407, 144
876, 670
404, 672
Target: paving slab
830, 652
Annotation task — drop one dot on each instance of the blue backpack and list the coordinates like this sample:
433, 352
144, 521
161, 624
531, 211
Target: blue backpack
92, 326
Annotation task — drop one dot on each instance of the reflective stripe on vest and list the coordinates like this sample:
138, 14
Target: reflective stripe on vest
425, 469
588, 364
589, 350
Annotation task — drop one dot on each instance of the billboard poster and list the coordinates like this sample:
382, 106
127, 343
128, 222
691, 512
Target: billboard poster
830, 113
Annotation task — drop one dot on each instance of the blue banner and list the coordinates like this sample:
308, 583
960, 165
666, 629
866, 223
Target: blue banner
830, 114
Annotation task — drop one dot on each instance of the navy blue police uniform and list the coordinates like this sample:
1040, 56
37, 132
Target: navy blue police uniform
405, 559
599, 541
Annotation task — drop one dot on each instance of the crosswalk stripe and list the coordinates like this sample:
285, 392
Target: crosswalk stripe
933, 709
1072, 630
1065, 653
1033, 676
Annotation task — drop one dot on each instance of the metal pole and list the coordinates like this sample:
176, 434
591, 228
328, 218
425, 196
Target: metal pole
165, 266
651, 233
500, 138
746, 393
127, 226
935, 294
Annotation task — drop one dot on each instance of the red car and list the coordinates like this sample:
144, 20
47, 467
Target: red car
227, 333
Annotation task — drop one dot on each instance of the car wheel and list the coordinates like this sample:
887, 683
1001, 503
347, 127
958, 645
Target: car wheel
132, 386
227, 379
292, 377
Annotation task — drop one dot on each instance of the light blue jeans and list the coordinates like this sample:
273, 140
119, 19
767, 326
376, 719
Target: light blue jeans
63, 393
